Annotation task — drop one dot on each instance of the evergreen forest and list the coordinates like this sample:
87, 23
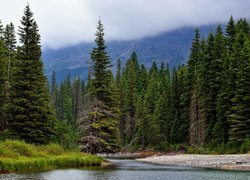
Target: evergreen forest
199, 107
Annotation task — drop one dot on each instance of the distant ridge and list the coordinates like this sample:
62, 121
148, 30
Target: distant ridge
171, 47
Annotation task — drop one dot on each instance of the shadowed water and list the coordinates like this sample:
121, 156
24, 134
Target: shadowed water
130, 170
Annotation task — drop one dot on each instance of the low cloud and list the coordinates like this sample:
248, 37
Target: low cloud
67, 22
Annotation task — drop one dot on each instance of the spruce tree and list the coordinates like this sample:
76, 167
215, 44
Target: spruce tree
227, 89
183, 117
3, 78
151, 96
131, 73
230, 34
77, 96
9, 65
10, 44
196, 131
101, 134
66, 103
162, 110
54, 89
207, 77
101, 64
32, 115
118, 74
243, 26
142, 124
175, 91
238, 115
142, 80
123, 108
216, 67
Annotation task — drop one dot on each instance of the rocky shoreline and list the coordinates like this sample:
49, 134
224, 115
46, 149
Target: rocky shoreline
227, 162
129, 155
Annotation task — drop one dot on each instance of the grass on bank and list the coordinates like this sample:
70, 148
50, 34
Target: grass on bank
18, 156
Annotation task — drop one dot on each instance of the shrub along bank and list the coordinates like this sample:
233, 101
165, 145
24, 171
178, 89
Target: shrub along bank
18, 156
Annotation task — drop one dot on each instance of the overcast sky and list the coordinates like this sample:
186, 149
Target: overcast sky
68, 22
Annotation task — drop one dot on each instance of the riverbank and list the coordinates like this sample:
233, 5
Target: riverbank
227, 162
17, 156
130, 155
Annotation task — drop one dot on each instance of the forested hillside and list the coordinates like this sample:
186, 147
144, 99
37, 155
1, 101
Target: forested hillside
170, 47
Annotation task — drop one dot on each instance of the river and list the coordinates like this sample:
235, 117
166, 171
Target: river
130, 170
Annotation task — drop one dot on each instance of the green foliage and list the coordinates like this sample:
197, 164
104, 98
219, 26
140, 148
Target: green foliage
239, 113
199, 150
98, 124
31, 114
3, 77
67, 135
14, 148
17, 156
53, 149
101, 63
245, 146
204, 103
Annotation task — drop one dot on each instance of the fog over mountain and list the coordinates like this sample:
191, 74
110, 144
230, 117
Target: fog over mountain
171, 47
64, 23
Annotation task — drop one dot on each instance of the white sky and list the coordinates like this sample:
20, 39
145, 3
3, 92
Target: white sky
67, 22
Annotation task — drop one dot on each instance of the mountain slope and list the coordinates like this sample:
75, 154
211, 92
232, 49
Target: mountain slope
170, 47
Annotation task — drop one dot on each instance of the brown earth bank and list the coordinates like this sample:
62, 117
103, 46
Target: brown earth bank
227, 162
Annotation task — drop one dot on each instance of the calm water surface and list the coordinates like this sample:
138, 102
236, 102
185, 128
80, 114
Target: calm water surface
130, 170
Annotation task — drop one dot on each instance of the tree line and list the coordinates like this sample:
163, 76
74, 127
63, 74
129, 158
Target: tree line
204, 103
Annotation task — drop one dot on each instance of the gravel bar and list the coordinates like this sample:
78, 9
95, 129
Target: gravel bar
229, 162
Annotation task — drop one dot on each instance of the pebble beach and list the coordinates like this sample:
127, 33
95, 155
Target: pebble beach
227, 162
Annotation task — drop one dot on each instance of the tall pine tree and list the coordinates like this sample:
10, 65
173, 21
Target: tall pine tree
32, 114
101, 133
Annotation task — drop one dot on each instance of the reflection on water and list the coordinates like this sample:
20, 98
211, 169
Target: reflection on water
130, 170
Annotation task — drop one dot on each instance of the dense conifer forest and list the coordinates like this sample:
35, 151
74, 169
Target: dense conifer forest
202, 106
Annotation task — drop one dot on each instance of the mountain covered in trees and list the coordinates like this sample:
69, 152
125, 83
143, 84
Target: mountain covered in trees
170, 47
201, 104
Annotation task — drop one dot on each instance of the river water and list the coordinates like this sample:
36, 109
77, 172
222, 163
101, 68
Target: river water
133, 170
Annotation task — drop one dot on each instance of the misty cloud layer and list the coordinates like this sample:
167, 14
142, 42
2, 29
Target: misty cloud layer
67, 22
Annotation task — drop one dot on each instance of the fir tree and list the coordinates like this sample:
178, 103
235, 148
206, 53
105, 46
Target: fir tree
142, 80
77, 96
142, 124
239, 111
131, 72
54, 89
230, 34
216, 67
151, 96
32, 114
183, 111
9, 66
101, 134
123, 108
10, 44
3, 78
175, 107
118, 74
196, 131
101, 64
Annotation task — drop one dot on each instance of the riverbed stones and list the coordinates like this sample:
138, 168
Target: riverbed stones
237, 162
